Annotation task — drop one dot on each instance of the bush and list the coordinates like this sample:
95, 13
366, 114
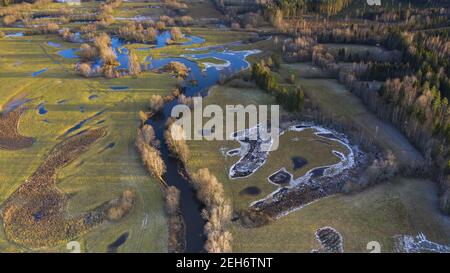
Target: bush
102, 44
176, 34
209, 189
10, 19
381, 169
143, 116
251, 218
108, 56
175, 5
2, 34
49, 28
149, 136
167, 20
136, 32
186, 20
109, 71
88, 28
151, 34
67, 35
177, 68
160, 25
188, 101
219, 242
218, 211
444, 201
102, 41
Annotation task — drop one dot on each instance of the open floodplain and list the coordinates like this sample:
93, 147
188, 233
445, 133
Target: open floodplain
70, 169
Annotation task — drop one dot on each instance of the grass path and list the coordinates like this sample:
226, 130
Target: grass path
334, 98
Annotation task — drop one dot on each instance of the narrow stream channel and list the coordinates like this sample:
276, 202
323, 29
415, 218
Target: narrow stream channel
204, 79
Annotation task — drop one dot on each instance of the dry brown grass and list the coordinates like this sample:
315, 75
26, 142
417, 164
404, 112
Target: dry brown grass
10, 138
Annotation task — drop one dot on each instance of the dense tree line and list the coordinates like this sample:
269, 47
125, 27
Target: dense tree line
176, 142
147, 146
217, 213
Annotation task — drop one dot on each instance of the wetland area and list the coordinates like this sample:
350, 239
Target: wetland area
81, 85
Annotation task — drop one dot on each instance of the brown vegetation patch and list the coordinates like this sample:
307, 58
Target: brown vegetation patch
35, 215
251, 190
288, 199
217, 212
10, 138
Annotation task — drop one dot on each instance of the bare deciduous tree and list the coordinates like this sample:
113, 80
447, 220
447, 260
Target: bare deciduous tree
218, 213
176, 141
156, 103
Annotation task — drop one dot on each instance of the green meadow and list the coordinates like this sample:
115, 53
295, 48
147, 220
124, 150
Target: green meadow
380, 213
104, 172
